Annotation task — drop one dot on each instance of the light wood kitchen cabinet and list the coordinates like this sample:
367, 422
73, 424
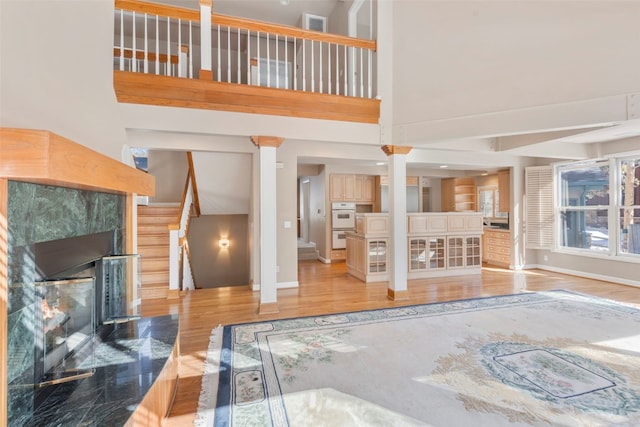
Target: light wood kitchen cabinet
342, 187
432, 224
458, 195
497, 247
367, 258
365, 188
504, 190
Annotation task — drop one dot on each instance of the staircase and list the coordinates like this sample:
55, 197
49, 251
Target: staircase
306, 251
153, 247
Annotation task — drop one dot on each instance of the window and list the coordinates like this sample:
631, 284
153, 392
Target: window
598, 207
583, 206
629, 206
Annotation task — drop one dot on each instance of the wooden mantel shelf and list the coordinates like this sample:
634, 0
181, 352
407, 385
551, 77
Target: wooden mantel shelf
46, 158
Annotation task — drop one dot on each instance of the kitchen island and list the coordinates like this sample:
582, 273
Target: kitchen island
439, 244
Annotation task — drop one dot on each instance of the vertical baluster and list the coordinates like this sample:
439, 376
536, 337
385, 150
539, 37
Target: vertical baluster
179, 48
313, 69
321, 48
337, 69
268, 63
146, 46
168, 64
134, 57
157, 45
239, 61
295, 63
369, 74
346, 72
286, 62
361, 75
121, 40
304, 65
249, 57
277, 64
190, 49
258, 62
219, 67
329, 67
228, 54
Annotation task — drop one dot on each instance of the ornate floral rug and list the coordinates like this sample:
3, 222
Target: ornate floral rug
550, 358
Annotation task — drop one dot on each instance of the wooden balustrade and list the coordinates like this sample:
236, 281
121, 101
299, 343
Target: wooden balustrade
243, 52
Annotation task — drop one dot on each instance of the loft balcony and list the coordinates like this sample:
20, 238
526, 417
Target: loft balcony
177, 57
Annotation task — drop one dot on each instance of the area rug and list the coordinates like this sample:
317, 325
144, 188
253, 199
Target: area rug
549, 358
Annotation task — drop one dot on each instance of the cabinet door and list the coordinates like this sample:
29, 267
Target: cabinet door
455, 252
349, 194
448, 187
336, 188
368, 188
472, 251
504, 188
437, 256
377, 254
418, 254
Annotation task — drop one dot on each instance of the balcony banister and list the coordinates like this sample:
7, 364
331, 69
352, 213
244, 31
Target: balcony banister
158, 9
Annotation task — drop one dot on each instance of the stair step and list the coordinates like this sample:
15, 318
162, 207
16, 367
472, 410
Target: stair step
155, 251
156, 277
158, 210
165, 220
153, 240
154, 292
157, 264
153, 228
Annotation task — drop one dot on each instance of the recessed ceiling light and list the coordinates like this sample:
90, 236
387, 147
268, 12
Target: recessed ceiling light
444, 166
380, 164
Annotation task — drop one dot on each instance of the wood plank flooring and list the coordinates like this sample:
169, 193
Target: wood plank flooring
328, 289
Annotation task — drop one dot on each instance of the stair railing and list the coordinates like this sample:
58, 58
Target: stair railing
159, 39
180, 269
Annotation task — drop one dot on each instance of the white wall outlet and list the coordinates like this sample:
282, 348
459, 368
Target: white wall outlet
546, 258
287, 224
277, 269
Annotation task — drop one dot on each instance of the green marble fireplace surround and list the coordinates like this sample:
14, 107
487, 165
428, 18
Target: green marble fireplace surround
38, 214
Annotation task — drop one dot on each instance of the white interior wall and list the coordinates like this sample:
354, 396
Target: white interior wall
56, 71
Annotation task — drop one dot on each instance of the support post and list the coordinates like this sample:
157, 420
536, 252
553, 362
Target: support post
398, 220
206, 7
268, 223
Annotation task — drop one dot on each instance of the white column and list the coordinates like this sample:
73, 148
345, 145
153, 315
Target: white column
398, 258
205, 39
268, 222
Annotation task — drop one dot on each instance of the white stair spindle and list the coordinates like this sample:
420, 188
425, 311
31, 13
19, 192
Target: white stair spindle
313, 69
157, 45
346, 72
228, 54
329, 67
268, 63
321, 47
369, 74
168, 65
277, 64
121, 40
304, 65
180, 61
239, 61
361, 76
146, 46
249, 57
286, 62
337, 69
219, 67
190, 49
134, 57
258, 62
295, 63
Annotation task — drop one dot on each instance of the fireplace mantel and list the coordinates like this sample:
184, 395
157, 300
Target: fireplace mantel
43, 157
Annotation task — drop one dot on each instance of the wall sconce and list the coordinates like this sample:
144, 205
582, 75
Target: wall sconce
224, 243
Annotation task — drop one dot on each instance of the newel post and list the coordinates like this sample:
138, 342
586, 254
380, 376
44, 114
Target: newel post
206, 7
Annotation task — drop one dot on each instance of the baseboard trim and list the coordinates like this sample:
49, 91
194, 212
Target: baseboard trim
279, 285
323, 260
397, 295
602, 277
268, 308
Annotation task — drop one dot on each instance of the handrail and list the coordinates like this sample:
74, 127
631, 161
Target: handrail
192, 175
128, 54
243, 23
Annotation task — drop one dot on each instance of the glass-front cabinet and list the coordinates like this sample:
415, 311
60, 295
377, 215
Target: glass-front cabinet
427, 253
377, 259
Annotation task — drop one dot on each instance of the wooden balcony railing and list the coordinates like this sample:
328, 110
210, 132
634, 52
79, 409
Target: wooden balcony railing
334, 73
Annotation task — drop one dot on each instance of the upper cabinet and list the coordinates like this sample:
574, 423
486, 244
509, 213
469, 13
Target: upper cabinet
458, 195
352, 188
504, 188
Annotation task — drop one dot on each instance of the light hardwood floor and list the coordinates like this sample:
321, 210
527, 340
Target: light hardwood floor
328, 289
